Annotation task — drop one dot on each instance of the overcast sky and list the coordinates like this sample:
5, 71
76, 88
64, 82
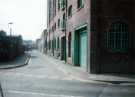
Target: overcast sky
29, 17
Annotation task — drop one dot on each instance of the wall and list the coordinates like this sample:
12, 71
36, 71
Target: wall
80, 17
104, 13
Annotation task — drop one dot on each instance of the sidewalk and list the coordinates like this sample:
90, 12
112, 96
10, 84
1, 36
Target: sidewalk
18, 62
80, 74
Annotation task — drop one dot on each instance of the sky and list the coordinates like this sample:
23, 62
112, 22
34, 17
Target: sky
29, 17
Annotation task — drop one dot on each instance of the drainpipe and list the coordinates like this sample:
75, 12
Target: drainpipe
66, 33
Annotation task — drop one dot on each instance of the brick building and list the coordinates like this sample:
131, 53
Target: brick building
44, 41
96, 35
56, 28
112, 27
78, 29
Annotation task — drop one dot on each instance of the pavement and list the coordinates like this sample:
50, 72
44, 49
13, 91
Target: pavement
18, 62
45, 76
81, 74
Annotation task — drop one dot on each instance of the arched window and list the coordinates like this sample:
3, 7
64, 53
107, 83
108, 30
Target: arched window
63, 22
70, 11
58, 23
118, 37
80, 3
58, 4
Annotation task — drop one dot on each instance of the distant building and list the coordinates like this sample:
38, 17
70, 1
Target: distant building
39, 45
44, 41
96, 35
28, 44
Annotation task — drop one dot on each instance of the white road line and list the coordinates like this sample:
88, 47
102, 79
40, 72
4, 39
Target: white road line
41, 94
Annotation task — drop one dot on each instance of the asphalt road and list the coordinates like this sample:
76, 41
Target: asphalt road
41, 78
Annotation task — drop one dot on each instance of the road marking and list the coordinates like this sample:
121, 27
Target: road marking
41, 94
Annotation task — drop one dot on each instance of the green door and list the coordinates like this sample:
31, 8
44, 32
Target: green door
83, 49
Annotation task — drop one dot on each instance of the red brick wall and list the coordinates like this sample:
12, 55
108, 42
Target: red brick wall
104, 13
79, 17
57, 32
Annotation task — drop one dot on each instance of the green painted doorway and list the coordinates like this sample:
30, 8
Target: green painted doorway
80, 47
83, 49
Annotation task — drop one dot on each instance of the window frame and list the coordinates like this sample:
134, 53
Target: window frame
62, 4
58, 23
117, 39
80, 4
70, 11
59, 4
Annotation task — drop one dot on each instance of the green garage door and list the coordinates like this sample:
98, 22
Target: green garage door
83, 49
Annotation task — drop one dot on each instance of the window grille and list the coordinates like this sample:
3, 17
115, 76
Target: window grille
118, 37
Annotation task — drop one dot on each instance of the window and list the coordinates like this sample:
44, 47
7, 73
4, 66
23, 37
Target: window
63, 22
58, 4
118, 37
80, 3
58, 23
55, 27
63, 4
70, 11
50, 11
54, 7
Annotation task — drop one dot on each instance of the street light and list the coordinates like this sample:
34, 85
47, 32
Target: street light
10, 23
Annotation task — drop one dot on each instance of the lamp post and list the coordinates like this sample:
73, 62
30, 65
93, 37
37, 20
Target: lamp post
10, 24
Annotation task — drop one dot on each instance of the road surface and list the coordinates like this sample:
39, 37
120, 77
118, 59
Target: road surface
42, 78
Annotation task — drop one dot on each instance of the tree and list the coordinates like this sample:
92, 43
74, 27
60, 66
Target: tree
2, 33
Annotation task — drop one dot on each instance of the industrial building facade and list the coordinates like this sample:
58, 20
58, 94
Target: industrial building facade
96, 35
